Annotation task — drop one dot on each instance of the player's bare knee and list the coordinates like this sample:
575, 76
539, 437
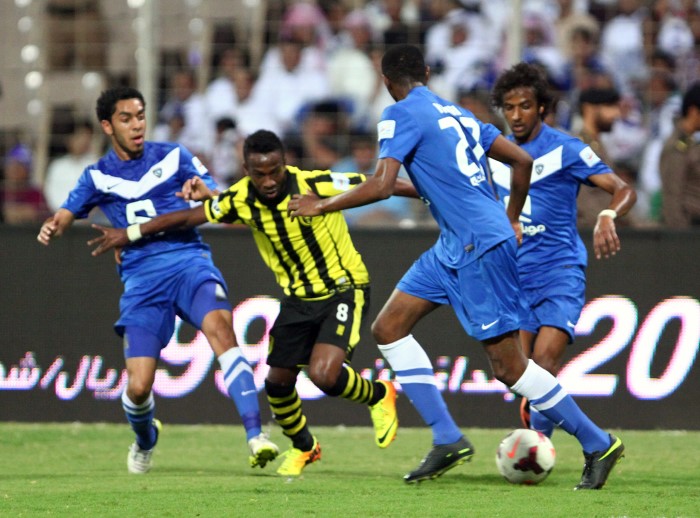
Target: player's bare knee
383, 332
323, 376
138, 390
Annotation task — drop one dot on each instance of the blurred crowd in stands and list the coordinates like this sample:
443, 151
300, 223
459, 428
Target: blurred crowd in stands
621, 72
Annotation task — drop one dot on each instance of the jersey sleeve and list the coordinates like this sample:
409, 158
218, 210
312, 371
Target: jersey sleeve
582, 162
83, 197
329, 183
398, 133
222, 208
489, 133
191, 166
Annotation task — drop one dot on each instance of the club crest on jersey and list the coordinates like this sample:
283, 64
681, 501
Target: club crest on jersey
539, 168
158, 172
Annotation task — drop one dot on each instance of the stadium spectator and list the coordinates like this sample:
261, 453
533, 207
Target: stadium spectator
183, 117
64, 171
552, 258
680, 166
220, 96
21, 201
622, 44
225, 165
350, 69
392, 212
285, 84
663, 106
164, 276
474, 256
325, 282
599, 109
571, 18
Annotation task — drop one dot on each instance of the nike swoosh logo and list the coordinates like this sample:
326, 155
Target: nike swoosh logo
484, 327
246, 392
514, 449
383, 437
570, 324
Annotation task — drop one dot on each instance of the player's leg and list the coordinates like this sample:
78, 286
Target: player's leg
527, 341
548, 353
286, 407
339, 333
419, 292
210, 311
141, 349
496, 272
291, 342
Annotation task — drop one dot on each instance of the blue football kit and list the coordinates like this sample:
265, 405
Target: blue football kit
443, 148
552, 258
161, 274
472, 266
164, 275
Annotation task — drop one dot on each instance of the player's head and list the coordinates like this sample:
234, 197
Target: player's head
522, 95
403, 68
264, 163
122, 115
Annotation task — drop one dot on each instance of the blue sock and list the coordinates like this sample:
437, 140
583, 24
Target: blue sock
140, 418
415, 374
550, 399
239, 382
540, 422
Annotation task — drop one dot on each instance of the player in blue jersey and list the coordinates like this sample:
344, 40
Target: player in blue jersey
472, 266
552, 258
165, 276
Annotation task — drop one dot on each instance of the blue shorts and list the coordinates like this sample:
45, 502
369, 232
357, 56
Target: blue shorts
485, 294
555, 299
190, 289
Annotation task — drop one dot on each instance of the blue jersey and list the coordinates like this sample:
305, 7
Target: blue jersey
442, 147
134, 191
561, 164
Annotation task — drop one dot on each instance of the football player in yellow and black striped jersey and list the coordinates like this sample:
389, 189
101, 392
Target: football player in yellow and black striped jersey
324, 279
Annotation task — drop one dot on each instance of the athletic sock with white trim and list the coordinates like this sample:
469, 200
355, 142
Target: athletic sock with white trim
415, 374
240, 385
548, 397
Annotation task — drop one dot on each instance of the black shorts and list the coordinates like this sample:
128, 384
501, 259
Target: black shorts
301, 324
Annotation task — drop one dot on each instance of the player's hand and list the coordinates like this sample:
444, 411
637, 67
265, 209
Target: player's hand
518, 229
195, 189
48, 230
110, 238
304, 205
605, 240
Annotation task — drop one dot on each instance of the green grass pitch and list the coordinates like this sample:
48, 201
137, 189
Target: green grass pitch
80, 470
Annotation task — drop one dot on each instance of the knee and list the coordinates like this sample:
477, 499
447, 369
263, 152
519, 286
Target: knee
548, 363
324, 376
383, 333
138, 390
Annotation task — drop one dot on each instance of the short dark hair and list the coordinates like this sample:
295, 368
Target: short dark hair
523, 75
262, 141
404, 63
599, 96
691, 98
107, 102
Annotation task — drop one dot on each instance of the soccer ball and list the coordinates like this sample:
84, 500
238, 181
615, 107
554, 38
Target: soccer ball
525, 457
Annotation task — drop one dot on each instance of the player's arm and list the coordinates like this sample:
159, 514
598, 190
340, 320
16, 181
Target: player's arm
118, 237
56, 225
605, 239
195, 189
520, 162
378, 186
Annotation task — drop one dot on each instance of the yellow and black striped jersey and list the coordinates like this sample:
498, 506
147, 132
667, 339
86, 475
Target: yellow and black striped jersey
310, 257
